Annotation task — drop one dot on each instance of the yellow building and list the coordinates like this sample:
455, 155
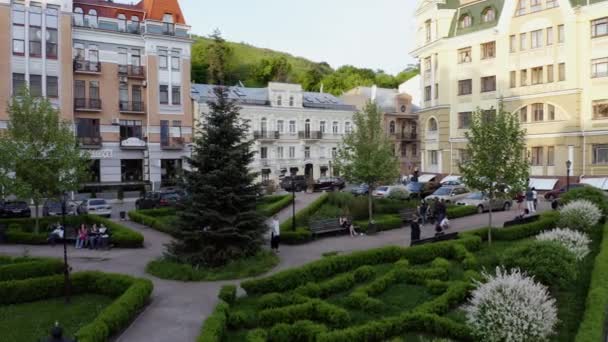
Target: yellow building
548, 60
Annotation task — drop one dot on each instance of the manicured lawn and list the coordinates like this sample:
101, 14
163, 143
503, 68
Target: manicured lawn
29, 322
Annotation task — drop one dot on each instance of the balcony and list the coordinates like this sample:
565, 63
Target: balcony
132, 143
168, 29
131, 107
172, 143
86, 67
266, 135
90, 142
87, 105
310, 135
411, 136
132, 71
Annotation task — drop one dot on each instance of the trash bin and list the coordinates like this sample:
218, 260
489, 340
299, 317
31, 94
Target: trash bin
371, 228
3, 233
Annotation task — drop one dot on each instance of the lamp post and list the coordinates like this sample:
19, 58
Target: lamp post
66, 269
568, 166
293, 201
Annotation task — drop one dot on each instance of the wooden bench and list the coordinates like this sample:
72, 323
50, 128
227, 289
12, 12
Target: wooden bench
437, 238
525, 220
407, 214
319, 227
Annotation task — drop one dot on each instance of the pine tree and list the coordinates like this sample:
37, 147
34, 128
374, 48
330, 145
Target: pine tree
219, 221
217, 60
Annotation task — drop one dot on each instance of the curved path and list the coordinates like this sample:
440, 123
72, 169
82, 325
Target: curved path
177, 309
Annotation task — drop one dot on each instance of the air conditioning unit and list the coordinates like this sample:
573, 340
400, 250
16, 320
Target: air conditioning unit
116, 121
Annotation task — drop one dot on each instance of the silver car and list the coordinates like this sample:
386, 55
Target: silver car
95, 206
450, 194
386, 191
477, 199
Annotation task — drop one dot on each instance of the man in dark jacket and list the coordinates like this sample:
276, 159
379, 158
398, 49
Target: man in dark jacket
415, 233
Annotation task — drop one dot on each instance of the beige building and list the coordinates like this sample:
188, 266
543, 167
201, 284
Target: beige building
120, 72
548, 60
399, 118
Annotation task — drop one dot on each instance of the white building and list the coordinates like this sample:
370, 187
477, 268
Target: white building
294, 131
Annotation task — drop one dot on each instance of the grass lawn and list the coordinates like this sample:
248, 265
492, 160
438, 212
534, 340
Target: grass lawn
257, 265
29, 322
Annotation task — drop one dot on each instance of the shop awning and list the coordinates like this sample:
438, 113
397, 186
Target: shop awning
426, 178
543, 184
600, 183
450, 179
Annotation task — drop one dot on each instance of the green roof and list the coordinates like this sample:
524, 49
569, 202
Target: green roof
575, 3
475, 11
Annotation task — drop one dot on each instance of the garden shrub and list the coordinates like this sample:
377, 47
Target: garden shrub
299, 236
228, 293
314, 309
575, 242
549, 262
214, 328
383, 222
300, 331
579, 215
304, 215
547, 221
456, 292
468, 259
458, 211
150, 219
399, 194
364, 273
327, 211
275, 300
594, 195
257, 335
392, 206
441, 263
361, 301
241, 319
273, 204
340, 199
30, 268
510, 306
359, 209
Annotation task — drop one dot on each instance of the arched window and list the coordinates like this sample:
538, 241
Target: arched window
78, 16
134, 27
488, 15
427, 30
392, 127
432, 125
122, 22
92, 18
347, 127
307, 126
264, 126
466, 21
168, 18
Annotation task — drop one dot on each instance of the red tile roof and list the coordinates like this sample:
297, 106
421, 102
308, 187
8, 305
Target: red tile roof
144, 9
156, 9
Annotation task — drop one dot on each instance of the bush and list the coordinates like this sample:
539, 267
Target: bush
304, 215
273, 204
30, 268
549, 262
577, 243
150, 219
215, 325
399, 194
359, 209
300, 331
459, 211
547, 221
340, 199
580, 215
315, 309
228, 293
383, 222
511, 307
299, 236
391, 205
257, 335
594, 195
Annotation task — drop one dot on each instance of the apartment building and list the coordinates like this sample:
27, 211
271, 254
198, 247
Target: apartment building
400, 121
548, 60
119, 72
295, 132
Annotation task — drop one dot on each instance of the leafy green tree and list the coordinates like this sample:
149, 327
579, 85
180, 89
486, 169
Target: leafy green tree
366, 155
497, 165
218, 55
219, 222
311, 78
40, 157
276, 69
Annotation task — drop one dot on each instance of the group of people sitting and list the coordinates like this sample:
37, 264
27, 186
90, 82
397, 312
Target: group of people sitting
93, 237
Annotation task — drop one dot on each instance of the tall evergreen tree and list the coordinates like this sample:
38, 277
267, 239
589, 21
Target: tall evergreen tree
219, 221
217, 59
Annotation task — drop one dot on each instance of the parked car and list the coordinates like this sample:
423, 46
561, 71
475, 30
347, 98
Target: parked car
329, 184
387, 190
299, 183
95, 206
15, 209
155, 200
53, 208
360, 190
421, 190
450, 194
479, 200
555, 194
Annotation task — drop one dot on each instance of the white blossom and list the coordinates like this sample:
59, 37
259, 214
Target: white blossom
575, 242
580, 215
510, 306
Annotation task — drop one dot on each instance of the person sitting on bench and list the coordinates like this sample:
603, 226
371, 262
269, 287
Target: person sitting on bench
104, 237
346, 224
56, 235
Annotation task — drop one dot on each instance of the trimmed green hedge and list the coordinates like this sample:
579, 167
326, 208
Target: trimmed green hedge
303, 215
458, 211
547, 221
228, 293
24, 268
150, 218
273, 204
131, 295
215, 325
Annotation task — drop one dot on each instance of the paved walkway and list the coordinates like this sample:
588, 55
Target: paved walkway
177, 308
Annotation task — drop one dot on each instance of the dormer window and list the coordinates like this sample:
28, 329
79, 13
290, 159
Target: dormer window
466, 21
78, 16
488, 15
92, 18
122, 22
168, 26
168, 18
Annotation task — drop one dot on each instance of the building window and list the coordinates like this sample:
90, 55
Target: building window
513, 79
176, 95
433, 158
322, 127
427, 93
132, 170
537, 156
122, 22
163, 59
521, 8
292, 152
92, 18
561, 37
432, 125
52, 13
134, 26
279, 100
391, 127
51, 43
465, 87
35, 14
538, 112
292, 126
600, 108
52, 87
36, 85
347, 127
550, 72
599, 27
78, 16
599, 67
175, 60
18, 13
522, 42
94, 90
537, 75
488, 15
307, 152
549, 36
280, 152
488, 50
79, 90
18, 40
523, 114
87, 128
536, 38
130, 129
551, 110
464, 120
464, 55
427, 30
164, 94
551, 156
35, 41
280, 128
18, 83
535, 5
263, 152
335, 127
513, 43
524, 78
466, 21
561, 72
436, 91
600, 154
427, 65
552, 3
488, 84
291, 101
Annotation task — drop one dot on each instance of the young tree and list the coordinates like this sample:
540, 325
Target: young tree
496, 149
217, 59
40, 155
219, 221
276, 69
366, 155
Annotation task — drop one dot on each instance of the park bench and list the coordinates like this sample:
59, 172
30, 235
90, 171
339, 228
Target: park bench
436, 238
520, 221
319, 227
70, 233
407, 214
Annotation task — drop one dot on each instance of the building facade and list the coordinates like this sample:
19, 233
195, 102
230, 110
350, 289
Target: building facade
548, 61
400, 121
295, 132
120, 73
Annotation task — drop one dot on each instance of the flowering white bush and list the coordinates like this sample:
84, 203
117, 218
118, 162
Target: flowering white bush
511, 306
580, 215
575, 242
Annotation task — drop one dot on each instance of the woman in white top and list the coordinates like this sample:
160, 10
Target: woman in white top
275, 237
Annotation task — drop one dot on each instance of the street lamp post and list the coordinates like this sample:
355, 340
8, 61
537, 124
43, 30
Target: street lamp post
66, 269
568, 166
293, 202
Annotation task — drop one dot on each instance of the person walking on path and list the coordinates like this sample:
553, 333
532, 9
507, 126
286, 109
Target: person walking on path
535, 196
422, 209
530, 201
415, 233
275, 235
520, 201
441, 210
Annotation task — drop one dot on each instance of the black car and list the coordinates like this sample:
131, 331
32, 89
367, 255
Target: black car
329, 184
155, 200
298, 183
421, 190
16, 209
54, 208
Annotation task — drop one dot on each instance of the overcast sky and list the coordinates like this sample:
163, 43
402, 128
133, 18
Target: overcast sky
375, 34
